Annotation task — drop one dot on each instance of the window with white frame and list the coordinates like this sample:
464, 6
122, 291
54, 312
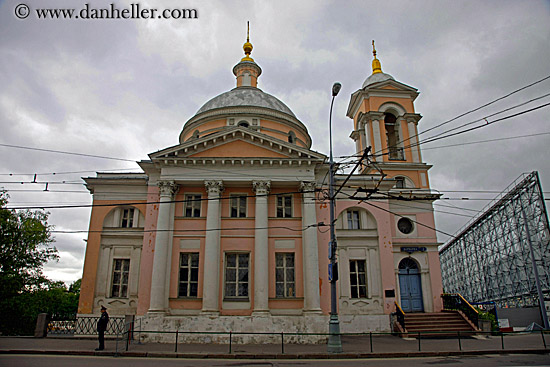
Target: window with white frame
121, 272
189, 275
192, 206
285, 284
236, 275
353, 219
400, 183
284, 206
237, 206
358, 278
127, 219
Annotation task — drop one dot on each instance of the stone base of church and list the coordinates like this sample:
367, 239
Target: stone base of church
204, 329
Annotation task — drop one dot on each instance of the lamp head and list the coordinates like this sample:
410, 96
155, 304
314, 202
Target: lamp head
336, 88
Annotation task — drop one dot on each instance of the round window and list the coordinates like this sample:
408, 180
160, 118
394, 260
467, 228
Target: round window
405, 225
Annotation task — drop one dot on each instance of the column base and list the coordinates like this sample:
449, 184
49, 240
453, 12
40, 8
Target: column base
261, 313
210, 313
313, 311
153, 312
334, 341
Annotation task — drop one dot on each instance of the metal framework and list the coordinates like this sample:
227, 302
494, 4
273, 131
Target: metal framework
490, 259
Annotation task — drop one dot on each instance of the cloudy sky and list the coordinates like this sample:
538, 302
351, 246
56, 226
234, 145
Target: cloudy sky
124, 88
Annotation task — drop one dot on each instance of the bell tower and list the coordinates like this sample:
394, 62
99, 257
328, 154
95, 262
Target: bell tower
384, 118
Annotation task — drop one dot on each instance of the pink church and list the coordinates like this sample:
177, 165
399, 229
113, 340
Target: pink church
221, 231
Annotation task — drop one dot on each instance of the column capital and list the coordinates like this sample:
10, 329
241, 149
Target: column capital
261, 187
308, 186
167, 188
214, 187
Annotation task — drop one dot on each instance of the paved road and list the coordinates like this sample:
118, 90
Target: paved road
15, 360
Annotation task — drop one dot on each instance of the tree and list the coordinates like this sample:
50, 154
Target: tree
25, 246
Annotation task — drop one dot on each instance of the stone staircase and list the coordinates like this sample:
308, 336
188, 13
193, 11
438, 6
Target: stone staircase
440, 324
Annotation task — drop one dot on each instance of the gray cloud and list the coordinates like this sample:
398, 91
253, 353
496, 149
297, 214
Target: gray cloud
124, 88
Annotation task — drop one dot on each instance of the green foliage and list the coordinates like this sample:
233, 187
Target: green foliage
25, 246
487, 315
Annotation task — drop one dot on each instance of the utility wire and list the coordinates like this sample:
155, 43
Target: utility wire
478, 108
486, 141
64, 152
487, 123
402, 216
138, 230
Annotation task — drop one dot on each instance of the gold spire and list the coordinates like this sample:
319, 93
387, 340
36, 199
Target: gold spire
376, 66
247, 47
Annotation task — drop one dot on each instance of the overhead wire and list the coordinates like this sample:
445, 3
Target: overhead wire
476, 109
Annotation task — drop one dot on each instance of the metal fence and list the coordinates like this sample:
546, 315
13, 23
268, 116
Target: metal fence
372, 342
85, 325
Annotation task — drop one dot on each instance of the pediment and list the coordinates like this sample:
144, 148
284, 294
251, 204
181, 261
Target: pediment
387, 88
392, 85
234, 143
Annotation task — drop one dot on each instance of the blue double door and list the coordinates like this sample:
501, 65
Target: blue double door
410, 286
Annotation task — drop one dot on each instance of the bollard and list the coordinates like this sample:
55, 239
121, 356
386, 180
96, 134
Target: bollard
459, 341
419, 349
502, 339
127, 340
282, 343
543, 341
116, 344
370, 338
176, 348
230, 334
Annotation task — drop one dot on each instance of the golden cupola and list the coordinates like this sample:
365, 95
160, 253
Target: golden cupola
247, 71
377, 74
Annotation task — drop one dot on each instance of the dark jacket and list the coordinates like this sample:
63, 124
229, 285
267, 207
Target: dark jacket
103, 321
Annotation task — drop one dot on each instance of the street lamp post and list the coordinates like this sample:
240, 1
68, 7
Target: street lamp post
334, 341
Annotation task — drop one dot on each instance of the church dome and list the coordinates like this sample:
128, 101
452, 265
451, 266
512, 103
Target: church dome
245, 97
249, 107
376, 78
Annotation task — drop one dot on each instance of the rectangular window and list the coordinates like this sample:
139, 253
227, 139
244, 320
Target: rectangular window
192, 206
121, 271
189, 275
236, 276
358, 278
285, 285
353, 219
238, 206
127, 218
399, 182
284, 206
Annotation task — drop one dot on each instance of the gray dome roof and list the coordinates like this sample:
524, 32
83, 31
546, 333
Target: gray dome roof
245, 96
376, 78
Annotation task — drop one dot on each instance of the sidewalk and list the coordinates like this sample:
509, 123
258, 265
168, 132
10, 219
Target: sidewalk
354, 347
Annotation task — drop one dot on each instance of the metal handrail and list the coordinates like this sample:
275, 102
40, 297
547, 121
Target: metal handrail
455, 301
400, 315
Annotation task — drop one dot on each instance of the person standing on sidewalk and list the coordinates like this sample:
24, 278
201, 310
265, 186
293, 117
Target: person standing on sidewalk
101, 327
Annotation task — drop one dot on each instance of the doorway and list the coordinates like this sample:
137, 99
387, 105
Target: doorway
410, 286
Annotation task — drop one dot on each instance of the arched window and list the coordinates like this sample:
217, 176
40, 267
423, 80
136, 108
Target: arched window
408, 266
243, 123
196, 134
392, 136
292, 137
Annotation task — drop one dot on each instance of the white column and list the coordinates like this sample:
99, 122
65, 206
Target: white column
211, 284
159, 291
310, 250
104, 272
377, 146
367, 135
261, 253
413, 141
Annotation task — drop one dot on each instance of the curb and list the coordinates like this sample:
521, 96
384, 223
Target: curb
275, 356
